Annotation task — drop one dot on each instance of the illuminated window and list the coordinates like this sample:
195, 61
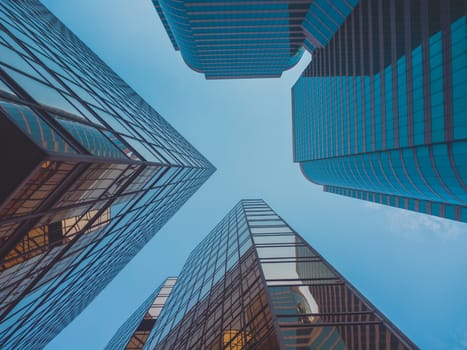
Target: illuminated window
235, 340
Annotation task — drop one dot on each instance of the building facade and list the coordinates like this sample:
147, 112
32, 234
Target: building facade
249, 39
380, 112
254, 283
132, 335
90, 173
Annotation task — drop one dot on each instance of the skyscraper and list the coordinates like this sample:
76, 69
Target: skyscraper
254, 283
249, 39
380, 112
90, 173
132, 335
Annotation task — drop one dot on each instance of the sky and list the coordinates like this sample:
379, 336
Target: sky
411, 266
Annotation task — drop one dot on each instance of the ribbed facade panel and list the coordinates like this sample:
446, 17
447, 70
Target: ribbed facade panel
236, 39
381, 108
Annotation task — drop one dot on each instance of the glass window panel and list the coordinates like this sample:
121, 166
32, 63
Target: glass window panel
5, 87
161, 299
284, 252
92, 139
115, 123
170, 282
267, 223
33, 125
10, 42
270, 229
325, 337
12, 58
263, 217
142, 149
276, 239
165, 290
42, 92
296, 269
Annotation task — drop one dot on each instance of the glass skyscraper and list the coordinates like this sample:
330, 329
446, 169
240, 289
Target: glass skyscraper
248, 39
254, 283
380, 112
132, 335
90, 172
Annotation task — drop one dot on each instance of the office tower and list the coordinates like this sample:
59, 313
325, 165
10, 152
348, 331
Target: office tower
132, 335
233, 39
380, 112
90, 173
248, 39
254, 283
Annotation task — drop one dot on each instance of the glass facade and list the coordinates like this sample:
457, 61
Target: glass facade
132, 335
254, 283
379, 114
236, 39
91, 173
249, 39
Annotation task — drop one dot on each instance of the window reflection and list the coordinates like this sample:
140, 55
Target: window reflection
275, 239
33, 125
293, 270
5, 88
92, 139
283, 252
43, 238
235, 339
314, 306
282, 229
35, 190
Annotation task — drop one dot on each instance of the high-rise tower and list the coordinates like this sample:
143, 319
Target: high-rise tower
249, 39
380, 112
90, 172
254, 283
133, 334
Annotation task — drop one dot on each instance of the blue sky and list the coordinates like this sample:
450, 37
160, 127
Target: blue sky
411, 266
